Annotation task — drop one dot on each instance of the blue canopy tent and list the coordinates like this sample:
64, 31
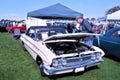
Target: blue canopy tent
57, 11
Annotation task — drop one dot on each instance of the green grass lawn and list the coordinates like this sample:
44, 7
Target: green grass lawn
16, 64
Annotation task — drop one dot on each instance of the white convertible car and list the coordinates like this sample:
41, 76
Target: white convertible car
57, 53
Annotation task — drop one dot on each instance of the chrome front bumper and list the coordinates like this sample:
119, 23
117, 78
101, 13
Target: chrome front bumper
74, 68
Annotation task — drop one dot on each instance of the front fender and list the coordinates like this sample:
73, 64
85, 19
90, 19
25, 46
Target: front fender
98, 49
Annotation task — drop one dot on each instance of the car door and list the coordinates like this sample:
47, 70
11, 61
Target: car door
30, 43
113, 44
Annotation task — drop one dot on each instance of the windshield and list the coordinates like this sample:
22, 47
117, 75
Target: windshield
43, 32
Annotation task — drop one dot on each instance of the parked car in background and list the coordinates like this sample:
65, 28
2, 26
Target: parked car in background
16, 28
110, 42
12, 25
3, 24
58, 53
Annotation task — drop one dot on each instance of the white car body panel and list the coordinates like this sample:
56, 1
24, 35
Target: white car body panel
38, 49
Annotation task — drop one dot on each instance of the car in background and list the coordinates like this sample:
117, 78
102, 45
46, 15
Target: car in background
3, 24
16, 28
12, 25
57, 52
109, 42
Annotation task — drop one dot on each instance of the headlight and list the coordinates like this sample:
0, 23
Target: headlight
98, 55
59, 62
55, 63
63, 62
93, 57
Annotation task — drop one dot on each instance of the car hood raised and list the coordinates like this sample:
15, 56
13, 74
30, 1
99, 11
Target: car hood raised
76, 36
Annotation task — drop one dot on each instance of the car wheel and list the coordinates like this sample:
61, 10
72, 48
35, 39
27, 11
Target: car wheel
38, 60
24, 47
40, 63
42, 70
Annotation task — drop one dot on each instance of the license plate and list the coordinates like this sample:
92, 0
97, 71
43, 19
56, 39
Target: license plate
79, 69
17, 32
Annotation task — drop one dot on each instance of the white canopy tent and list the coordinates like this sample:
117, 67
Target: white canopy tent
114, 16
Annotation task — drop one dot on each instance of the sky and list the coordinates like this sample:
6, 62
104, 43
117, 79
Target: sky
18, 9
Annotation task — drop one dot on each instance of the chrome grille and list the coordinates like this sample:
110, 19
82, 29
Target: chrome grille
73, 60
78, 60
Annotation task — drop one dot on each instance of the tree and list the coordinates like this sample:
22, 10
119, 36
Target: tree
114, 9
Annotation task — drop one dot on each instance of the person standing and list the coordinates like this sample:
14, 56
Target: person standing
83, 25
